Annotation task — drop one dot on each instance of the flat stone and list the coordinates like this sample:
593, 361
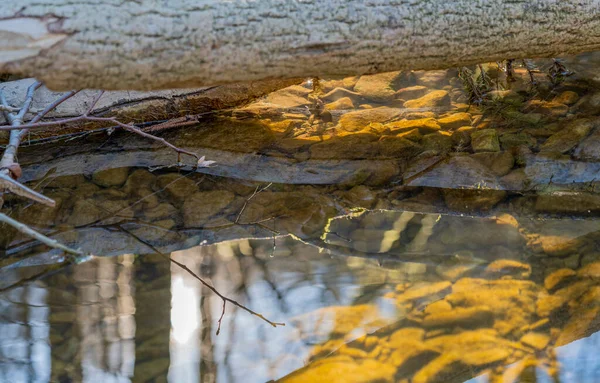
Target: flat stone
176, 186
291, 97
413, 135
353, 146
432, 78
455, 172
591, 270
557, 246
549, 304
442, 369
468, 200
512, 140
548, 108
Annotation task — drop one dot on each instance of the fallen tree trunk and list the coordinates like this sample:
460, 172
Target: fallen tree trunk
182, 43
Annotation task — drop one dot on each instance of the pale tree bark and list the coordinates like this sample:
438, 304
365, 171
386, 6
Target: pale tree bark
147, 44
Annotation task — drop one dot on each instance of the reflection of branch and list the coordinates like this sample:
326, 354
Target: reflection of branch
256, 191
37, 235
210, 287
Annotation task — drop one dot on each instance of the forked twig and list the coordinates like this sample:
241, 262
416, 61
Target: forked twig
87, 117
209, 286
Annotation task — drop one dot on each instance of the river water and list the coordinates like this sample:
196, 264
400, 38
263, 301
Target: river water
401, 232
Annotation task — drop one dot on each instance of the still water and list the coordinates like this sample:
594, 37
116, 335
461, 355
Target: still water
401, 233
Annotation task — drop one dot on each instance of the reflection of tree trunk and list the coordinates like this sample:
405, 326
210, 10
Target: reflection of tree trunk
208, 367
105, 317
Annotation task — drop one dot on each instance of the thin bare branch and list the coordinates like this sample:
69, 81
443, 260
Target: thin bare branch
209, 286
28, 100
224, 298
37, 235
9, 168
256, 191
9, 184
94, 102
52, 106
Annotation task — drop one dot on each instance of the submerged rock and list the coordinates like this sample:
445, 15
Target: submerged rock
344, 103
558, 278
425, 126
439, 143
498, 162
397, 147
111, 177
466, 200
485, 140
466, 318
411, 92
455, 172
379, 87
435, 99
567, 138
565, 202
455, 121
567, 97
589, 148
201, 206
359, 119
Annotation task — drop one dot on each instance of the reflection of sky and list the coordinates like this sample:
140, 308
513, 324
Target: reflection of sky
579, 360
24, 331
247, 350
